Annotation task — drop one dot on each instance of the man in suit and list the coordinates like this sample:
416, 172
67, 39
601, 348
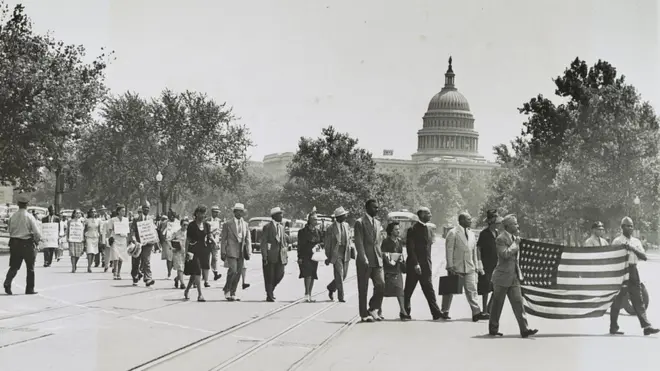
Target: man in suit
274, 252
369, 263
507, 278
141, 265
49, 252
338, 250
419, 241
463, 260
236, 246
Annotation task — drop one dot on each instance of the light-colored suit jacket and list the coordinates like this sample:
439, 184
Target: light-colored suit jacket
462, 253
333, 240
233, 245
367, 242
507, 272
273, 244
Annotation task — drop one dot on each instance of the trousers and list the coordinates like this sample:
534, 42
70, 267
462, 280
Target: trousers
500, 293
470, 289
273, 275
632, 289
142, 264
234, 272
340, 270
375, 274
412, 278
21, 251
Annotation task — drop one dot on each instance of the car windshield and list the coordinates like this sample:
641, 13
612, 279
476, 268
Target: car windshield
258, 223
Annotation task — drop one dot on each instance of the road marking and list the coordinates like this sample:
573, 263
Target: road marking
164, 323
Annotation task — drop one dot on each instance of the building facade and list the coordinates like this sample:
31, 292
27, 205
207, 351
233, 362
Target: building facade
447, 140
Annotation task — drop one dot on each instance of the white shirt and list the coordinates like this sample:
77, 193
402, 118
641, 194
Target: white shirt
632, 242
239, 227
594, 241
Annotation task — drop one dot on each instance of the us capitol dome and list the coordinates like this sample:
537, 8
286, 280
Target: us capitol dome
447, 140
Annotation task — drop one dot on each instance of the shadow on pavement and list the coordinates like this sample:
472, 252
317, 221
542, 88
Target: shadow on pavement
551, 336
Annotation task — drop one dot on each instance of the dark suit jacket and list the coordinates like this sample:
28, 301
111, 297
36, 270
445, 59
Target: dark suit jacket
134, 228
487, 250
418, 244
56, 219
367, 242
273, 245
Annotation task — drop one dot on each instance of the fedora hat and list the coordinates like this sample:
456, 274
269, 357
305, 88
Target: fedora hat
275, 210
239, 206
339, 212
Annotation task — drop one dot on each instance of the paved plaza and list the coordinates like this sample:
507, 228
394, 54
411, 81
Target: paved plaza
88, 322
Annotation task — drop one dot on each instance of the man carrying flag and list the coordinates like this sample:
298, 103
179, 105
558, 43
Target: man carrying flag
634, 284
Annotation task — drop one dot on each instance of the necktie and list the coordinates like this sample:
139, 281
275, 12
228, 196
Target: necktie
343, 234
466, 234
239, 228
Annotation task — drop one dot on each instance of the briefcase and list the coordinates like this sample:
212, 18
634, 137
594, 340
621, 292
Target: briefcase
451, 285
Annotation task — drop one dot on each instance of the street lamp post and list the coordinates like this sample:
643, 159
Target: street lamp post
159, 178
141, 188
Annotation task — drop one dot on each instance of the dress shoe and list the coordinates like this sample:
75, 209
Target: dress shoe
150, 283
331, 295
8, 289
235, 298
246, 285
443, 315
529, 332
495, 333
615, 331
374, 315
31, 292
228, 297
342, 300
216, 276
404, 317
650, 331
479, 316
270, 300
367, 319
207, 285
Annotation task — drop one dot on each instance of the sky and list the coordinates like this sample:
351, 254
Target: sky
292, 67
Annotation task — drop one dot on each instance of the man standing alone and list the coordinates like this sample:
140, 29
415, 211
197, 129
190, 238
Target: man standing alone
236, 247
369, 262
24, 236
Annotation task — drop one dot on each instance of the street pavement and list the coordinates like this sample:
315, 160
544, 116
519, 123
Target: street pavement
87, 321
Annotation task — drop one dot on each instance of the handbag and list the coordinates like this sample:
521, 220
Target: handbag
451, 285
318, 255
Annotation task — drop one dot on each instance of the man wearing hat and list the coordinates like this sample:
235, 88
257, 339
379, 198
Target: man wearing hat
49, 252
632, 287
24, 235
507, 278
236, 247
419, 268
274, 252
596, 238
141, 265
103, 218
338, 251
216, 223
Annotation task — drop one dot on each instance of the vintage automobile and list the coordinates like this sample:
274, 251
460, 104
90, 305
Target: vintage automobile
255, 225
292, 231
41, 212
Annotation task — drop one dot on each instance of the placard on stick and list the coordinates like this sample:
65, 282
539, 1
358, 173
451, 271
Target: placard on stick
147, 232
76, 230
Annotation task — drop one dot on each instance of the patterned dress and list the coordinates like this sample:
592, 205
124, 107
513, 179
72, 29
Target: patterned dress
178, 250
76, 249
118, 250
166, 244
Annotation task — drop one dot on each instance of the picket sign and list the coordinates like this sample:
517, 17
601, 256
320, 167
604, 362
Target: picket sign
50, 235
147, 232
76, 230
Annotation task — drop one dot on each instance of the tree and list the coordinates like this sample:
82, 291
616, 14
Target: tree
581, 160
47, 97
473, 190
187, 137
397, 192
329, 172
440, 188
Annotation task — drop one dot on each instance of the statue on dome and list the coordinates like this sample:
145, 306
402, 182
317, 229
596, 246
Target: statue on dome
450, 61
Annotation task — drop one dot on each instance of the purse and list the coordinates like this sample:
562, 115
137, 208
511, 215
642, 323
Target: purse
318, 255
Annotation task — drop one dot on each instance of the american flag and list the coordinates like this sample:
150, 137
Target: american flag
562, 282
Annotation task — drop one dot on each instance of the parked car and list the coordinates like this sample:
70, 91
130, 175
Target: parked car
41, 212
67, 213
6, 214
292, 231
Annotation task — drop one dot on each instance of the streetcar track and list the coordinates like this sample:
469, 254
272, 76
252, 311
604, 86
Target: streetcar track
185, 349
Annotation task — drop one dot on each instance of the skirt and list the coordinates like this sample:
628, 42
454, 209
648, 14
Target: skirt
118, 251
484, 286
178, 257
166, 250
193, 267
76, 249
92, 245
393, 284
308, 269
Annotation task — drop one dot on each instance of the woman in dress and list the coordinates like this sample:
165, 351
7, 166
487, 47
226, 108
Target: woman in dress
92, 236
179, 254
308, 238
168, 228
76, 248
118, 240
64, 243
392, 266
488, 253
198, 251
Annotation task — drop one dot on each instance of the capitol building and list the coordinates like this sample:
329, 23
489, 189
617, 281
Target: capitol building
447, 140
